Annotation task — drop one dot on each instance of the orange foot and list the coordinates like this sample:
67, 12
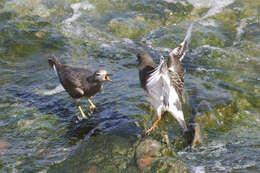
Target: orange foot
150, 130
154, 126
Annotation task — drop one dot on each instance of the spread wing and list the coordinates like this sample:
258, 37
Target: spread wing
158, 83
174, 64
171, 74
177, 80
180, 51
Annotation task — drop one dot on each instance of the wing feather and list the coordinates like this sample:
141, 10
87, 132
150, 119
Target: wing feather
180, 51
177, 81
158, 83
176, 71
71, 82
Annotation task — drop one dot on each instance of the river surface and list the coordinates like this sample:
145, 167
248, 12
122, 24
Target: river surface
39, 128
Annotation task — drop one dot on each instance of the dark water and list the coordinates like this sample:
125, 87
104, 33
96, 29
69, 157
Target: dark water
39, 132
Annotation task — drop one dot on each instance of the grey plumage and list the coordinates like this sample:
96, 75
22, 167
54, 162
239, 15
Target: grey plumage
79, 82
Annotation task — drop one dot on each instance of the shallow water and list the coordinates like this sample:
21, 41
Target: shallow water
39, 129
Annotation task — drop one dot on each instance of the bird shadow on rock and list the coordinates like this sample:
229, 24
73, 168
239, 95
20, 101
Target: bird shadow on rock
103, 121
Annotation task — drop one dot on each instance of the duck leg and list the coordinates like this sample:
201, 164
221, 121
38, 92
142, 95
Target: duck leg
92, 106
155, 124
82, 113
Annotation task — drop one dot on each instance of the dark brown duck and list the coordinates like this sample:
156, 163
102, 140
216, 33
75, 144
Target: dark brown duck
79, 82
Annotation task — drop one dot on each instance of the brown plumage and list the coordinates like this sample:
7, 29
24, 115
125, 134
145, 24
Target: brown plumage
176, 75
146, 67
164, 83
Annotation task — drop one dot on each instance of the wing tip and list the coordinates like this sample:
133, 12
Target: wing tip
188, 34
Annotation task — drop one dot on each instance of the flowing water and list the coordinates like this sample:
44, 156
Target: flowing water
40, 131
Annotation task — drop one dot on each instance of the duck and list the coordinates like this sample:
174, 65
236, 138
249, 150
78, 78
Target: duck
164, 83
79, 82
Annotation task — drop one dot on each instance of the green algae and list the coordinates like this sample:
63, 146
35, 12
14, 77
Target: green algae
122, 29
142, 21
110, 155
27, 35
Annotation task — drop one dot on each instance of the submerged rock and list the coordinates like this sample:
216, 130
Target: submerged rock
112, 153
144, 162
197, 139
145, 152
153, 156
148, 147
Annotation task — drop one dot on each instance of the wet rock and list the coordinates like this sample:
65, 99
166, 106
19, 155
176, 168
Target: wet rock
93, 169
153, 156
128, 28
7, 15
145, 152
26, 35
144, 162
108, 153
44, 9
165, 165
169, 165
197, 139
162, 12
148, 147
207, 120
218, 118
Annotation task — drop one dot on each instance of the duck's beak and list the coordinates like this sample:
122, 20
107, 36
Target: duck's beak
107, 79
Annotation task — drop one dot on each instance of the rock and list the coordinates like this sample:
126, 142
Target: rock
169, 165
145, 152
93, 169
153, 156
148, 147
197, 139
128, 28
144, 162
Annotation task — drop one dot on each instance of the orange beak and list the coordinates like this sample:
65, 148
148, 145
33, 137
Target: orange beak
107, 78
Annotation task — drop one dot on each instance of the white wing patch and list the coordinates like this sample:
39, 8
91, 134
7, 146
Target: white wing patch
55, 70
158, 85
162, 94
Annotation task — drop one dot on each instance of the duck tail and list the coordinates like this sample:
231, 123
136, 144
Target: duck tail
54, 63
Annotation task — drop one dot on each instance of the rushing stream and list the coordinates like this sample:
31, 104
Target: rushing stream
39, 128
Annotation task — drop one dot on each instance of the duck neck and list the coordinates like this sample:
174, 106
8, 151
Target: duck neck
93, 80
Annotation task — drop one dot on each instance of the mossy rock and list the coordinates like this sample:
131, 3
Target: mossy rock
107, 153
153, 156
126, 28
24, 36
166, 165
